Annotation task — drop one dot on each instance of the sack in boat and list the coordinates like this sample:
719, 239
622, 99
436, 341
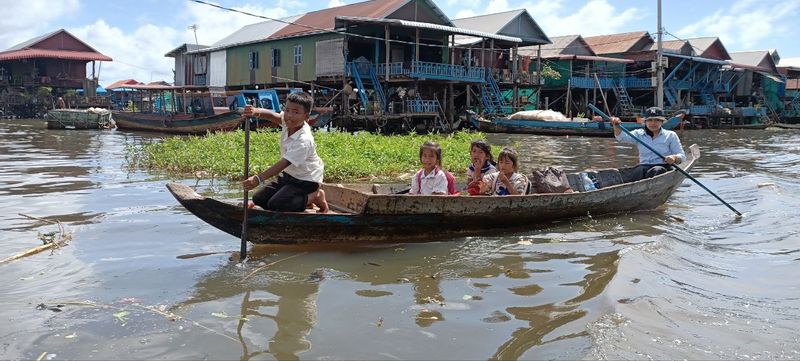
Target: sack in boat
550, 180
545, 115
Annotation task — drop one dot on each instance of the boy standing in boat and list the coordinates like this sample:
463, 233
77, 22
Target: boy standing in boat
662, 140
299, 170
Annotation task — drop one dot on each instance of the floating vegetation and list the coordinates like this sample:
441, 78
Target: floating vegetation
348, 157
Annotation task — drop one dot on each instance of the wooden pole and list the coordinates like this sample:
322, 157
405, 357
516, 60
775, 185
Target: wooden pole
243, 246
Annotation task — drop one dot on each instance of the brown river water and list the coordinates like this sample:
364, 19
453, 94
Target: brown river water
686, 281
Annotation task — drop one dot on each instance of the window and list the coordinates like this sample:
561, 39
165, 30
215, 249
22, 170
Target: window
276, 57
298, 54
253, 60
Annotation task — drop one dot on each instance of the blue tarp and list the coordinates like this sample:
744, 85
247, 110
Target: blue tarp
99, 91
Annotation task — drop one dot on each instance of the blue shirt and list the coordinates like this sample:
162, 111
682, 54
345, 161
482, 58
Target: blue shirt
667, 143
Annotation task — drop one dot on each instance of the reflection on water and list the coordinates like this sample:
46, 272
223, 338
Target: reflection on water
687, 280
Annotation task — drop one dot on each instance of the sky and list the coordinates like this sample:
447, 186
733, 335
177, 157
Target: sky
137, 33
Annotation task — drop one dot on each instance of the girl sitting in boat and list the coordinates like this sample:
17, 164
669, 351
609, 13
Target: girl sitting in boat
482, 164
506, 181
430, 179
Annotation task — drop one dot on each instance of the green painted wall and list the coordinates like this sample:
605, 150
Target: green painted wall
238, 61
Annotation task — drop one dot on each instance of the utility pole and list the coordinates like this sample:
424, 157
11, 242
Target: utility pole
659, 64
193, 28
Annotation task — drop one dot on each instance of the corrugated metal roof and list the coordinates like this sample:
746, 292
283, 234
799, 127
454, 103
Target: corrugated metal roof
561, 45
252, 33
606, 59
28, 43
491, 23
52, 54
322, 20
674, 46
504, 24
420, 25
122, 84
759, 58
185, 48
28, 49
702, 45
616, 43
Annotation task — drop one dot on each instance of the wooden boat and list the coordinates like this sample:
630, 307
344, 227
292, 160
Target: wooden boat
541, 127
92, 118
785, 126
178, 123
362, 217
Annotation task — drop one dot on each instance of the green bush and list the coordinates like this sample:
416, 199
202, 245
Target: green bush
348, 157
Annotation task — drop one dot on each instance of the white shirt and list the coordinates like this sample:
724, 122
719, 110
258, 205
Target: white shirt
496, 187
666, 142
433, 182
300, 150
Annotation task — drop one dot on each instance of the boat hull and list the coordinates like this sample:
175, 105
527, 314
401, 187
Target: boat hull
540, 127
178, 123
389, 218
79, 119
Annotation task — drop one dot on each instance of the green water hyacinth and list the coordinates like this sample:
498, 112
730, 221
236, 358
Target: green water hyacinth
349, 158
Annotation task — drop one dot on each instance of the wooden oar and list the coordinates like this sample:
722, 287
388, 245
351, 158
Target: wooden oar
628, 132
243, 249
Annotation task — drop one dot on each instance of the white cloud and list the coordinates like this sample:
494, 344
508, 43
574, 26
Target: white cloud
466, 13
472, 4
790, 62
497, 6
139, 54
336, 3
594, 18
746, 24
30, 19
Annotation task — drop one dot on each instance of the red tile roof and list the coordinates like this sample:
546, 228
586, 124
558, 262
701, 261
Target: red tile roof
54, 54
618, 43
325, 19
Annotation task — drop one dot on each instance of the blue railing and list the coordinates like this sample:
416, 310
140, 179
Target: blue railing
394, 69
423, 69
422, 106
633, 82
701, 110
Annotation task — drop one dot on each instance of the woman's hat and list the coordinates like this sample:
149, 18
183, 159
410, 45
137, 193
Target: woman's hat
654, 113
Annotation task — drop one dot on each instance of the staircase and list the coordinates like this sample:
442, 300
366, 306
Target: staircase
770, 116
368, 71
491, 97
376, 85
362, 95
624, 101
707, 98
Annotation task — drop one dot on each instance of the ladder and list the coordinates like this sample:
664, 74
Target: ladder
624, 101
491, 97
362, 95
770, 116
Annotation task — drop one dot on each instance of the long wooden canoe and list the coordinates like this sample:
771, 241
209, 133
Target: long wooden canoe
361, 217
177, 123
541, 127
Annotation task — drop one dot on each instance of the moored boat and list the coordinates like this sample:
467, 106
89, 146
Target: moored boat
362, 217
92, 118
178, 123
586, 128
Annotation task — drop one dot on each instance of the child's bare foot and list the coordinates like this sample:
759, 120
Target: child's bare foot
318, 199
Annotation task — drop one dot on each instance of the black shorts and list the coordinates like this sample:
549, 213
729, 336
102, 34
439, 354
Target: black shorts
285, 194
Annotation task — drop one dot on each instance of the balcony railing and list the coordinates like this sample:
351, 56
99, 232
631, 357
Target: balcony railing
423, 69
589, 82
422, 106
394, 69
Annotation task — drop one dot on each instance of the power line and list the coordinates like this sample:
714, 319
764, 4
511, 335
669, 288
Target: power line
334, 31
